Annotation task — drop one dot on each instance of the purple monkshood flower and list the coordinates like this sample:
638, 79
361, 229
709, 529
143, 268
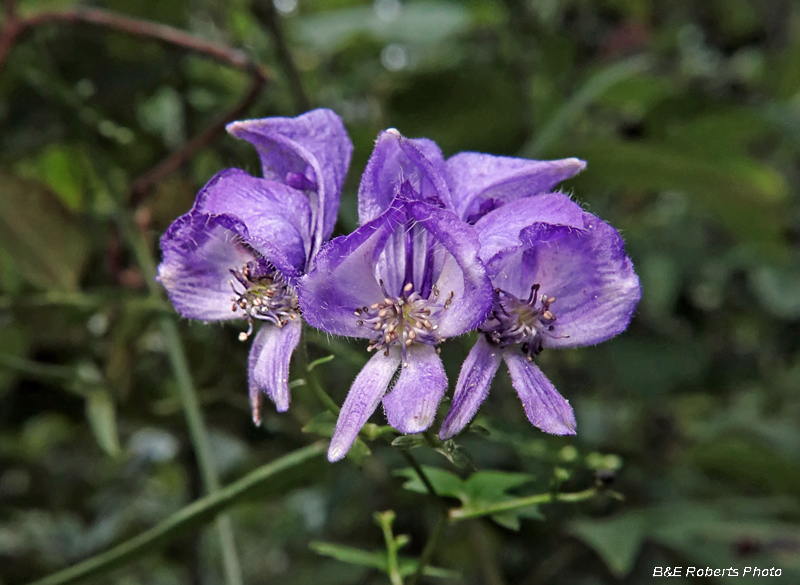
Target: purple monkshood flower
241, 249
562, 279
406, 280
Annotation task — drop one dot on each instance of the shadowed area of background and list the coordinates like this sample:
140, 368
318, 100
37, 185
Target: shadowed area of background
688, 115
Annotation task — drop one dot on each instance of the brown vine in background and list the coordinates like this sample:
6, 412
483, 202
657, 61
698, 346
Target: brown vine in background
15, 27
267, 15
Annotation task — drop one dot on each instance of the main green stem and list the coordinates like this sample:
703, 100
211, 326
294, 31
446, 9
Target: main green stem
191, 405
441, 523
311, 377
470, 512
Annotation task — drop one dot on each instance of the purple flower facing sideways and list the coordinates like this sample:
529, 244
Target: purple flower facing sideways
561, 279
405, 280
239, 252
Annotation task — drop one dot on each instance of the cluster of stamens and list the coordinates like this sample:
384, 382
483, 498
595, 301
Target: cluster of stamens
404, 320
526, 322
263, 294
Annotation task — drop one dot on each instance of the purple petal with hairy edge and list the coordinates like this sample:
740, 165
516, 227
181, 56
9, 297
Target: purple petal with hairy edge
268, 364
472, 387
273, 213
199, 251
500, 228
589, 274
544, 406
343, 277
362, 400
411, 405
481, 182
461, 271
397, 159
311, 152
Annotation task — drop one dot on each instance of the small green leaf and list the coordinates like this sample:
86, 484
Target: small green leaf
482, 490
458, 455
102, 417
323, 424
372, 431
492, 486
409, 441
358, 452
486, 487
62, 169
444, 482
479, 430
45, 241
617, 540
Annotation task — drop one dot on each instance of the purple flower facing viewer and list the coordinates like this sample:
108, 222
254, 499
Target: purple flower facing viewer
405, 280
562, 279
239, 252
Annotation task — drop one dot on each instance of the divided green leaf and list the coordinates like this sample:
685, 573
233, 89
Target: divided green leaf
481, 490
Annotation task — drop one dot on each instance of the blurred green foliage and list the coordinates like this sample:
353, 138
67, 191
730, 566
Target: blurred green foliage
688, 114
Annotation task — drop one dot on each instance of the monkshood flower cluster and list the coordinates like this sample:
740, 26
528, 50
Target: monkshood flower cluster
240, 251
444, 247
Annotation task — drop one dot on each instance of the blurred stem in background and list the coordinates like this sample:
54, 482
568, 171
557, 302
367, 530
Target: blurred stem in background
191, 405
385, 520
185, 519
267, 15
598, 84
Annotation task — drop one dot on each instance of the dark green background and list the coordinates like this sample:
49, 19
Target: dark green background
688, 114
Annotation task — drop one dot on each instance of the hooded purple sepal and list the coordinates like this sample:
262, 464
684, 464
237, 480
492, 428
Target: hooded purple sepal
238, 222
278, 218
363, 398
480, 183
544, 406
396, 160
268, 364
199, 251
310, 152
472, 387
499, 230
